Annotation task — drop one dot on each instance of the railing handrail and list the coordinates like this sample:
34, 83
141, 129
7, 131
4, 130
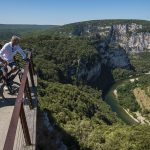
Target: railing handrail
19, 110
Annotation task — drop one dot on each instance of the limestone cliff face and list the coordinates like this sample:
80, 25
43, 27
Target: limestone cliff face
112, 58
139, 42
118, 59
128, 37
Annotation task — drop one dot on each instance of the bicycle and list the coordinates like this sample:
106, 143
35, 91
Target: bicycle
11, 85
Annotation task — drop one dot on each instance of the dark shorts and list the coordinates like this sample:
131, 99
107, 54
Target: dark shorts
3, 69
12, 64
1, 72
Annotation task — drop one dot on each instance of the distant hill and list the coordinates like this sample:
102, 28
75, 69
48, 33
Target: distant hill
95, 26
7, 30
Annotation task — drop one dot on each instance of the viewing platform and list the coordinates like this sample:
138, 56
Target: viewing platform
18, 114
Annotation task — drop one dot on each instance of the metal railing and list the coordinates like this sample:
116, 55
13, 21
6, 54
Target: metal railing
18, 115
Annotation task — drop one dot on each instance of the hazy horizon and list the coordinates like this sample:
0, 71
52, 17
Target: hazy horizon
68, 23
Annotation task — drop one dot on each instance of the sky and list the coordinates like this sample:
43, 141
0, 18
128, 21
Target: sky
59, 12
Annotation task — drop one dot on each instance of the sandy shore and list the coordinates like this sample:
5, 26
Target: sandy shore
127, 111
115, 93
140, 119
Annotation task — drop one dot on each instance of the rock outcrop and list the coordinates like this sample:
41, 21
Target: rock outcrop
139, 42
89, 73
128, 37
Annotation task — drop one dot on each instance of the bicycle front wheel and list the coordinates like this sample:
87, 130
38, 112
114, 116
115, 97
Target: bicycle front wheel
10, 91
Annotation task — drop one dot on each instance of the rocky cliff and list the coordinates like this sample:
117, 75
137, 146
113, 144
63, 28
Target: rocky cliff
128, 37
116, 41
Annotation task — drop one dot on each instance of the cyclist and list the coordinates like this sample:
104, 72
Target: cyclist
9, 50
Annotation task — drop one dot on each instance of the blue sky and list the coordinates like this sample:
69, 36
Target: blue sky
67, 11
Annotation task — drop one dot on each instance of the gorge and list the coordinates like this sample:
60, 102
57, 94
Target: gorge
79, 66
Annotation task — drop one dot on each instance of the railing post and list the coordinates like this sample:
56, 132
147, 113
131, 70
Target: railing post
28, 92
31, 74
31, 61
24, 126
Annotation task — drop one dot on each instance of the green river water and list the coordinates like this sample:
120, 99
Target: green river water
116, 107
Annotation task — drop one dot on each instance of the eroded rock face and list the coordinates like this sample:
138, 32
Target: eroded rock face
127, 37
118, 59
57, 141
138, 42
88, 71
112, 58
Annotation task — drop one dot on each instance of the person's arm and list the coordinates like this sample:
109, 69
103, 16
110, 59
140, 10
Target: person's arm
22, 53
2, 52
4, 48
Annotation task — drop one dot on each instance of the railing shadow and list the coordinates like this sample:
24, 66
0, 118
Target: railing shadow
11, 101
7, 102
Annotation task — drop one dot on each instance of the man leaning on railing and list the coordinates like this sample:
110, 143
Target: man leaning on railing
9, 50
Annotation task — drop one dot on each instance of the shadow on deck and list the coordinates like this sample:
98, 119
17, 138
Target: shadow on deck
7, 102
6, 111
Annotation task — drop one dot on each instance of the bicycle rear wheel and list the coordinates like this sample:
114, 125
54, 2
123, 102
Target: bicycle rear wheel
10, 91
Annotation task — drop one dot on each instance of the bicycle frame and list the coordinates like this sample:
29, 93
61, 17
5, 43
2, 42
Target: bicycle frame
12, 76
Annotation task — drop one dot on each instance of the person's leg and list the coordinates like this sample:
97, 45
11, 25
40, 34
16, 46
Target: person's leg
4, 71
13, 68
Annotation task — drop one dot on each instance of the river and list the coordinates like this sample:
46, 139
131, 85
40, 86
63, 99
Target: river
116, 107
